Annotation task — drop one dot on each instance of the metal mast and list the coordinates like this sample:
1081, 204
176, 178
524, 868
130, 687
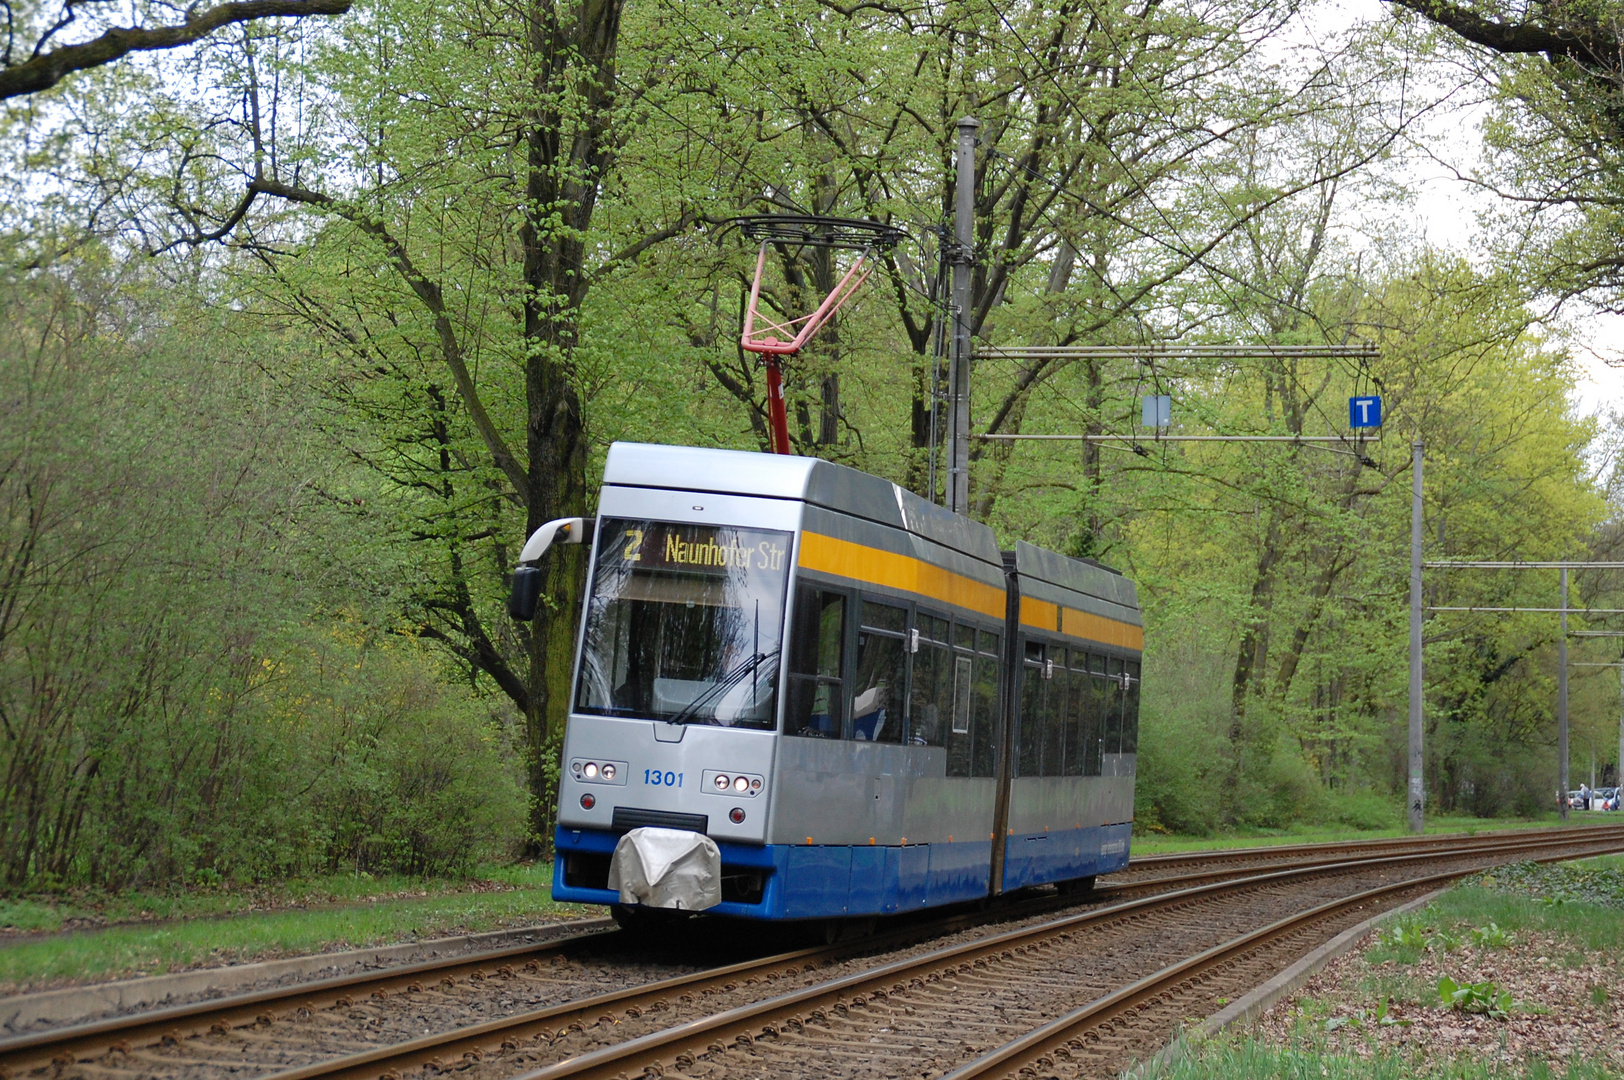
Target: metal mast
1417, 796
958, 379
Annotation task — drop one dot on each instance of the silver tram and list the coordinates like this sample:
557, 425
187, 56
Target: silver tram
835, 698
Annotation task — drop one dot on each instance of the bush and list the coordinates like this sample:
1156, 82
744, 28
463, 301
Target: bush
1174, 790
1362, 809
174, 716
423, 787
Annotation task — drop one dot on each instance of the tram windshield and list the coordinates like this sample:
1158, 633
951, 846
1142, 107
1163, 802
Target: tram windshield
684, 623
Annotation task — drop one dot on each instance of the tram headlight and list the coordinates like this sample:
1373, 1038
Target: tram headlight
741, 783
591, 769
722, 781
608, 772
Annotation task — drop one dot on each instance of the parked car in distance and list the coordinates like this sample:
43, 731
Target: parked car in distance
1605, 799
1576, 800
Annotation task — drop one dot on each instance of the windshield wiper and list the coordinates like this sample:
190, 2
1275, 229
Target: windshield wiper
728, 681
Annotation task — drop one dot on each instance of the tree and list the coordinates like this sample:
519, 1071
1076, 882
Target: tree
45, 67
1559, 72
460, 323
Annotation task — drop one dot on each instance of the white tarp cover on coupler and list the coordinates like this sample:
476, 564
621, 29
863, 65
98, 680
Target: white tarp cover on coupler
667, 868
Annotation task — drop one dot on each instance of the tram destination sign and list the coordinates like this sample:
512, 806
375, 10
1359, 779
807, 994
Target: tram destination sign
655, 545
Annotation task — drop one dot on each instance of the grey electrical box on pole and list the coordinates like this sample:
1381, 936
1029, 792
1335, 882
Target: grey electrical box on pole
958, 377
1562, 699
1416, 799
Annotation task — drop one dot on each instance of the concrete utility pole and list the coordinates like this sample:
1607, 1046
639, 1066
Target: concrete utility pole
1562, 698
1417, 787
1618, 773
958, 377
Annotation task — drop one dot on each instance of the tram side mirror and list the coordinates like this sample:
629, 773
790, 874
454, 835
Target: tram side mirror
526, 593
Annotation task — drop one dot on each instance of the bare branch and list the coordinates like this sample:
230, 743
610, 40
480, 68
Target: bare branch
1502, 37
43, 71
434, 300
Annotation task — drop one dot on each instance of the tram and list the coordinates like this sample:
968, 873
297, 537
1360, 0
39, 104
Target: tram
803, 692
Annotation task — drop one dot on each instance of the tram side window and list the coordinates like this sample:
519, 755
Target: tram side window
1077, 709
879, 697
1057, 702
1130, 711
816, 705
1029, 745
959, 739
932, 700
1095, 696
984, 709
1113, 706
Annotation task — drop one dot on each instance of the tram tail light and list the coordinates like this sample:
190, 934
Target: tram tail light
736, 815
588, 801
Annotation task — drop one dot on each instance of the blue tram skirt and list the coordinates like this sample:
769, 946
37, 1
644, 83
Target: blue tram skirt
819, 881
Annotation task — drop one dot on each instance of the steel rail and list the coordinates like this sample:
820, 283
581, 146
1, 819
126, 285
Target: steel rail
698, 1036
1435, 840
1032, 1047
478, 1039
31, 1050
1116, 888
24, 1051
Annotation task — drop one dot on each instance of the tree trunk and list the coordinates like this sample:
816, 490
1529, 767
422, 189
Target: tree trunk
568, 152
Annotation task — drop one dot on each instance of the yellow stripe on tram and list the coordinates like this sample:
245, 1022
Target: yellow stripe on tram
842, 558
1043, 615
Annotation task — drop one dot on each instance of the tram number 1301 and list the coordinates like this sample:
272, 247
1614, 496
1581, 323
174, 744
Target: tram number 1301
656, 778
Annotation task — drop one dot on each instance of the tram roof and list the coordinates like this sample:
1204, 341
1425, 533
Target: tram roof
1077, 575
848, 491
813, 480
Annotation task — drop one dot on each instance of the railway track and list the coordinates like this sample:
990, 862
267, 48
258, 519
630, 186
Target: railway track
768, 1014
1244, 856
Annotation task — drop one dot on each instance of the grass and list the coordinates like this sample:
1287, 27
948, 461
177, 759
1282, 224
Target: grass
87, 937
81, 909
1594, 927
1528, 897
214, 926
1254, 1059
1159, 844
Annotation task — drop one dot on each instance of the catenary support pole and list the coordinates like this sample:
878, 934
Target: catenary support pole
958, 375
1618, 773
1562, 699
1417, 788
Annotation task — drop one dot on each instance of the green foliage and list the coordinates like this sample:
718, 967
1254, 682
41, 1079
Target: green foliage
1405, 934
1489, 937
176, 928
1594, 927
1559, 882
1256, 1059
172, 713
1479, 997
1379, 1016
456, 238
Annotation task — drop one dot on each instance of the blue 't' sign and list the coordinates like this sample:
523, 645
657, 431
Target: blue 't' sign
1364, 412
